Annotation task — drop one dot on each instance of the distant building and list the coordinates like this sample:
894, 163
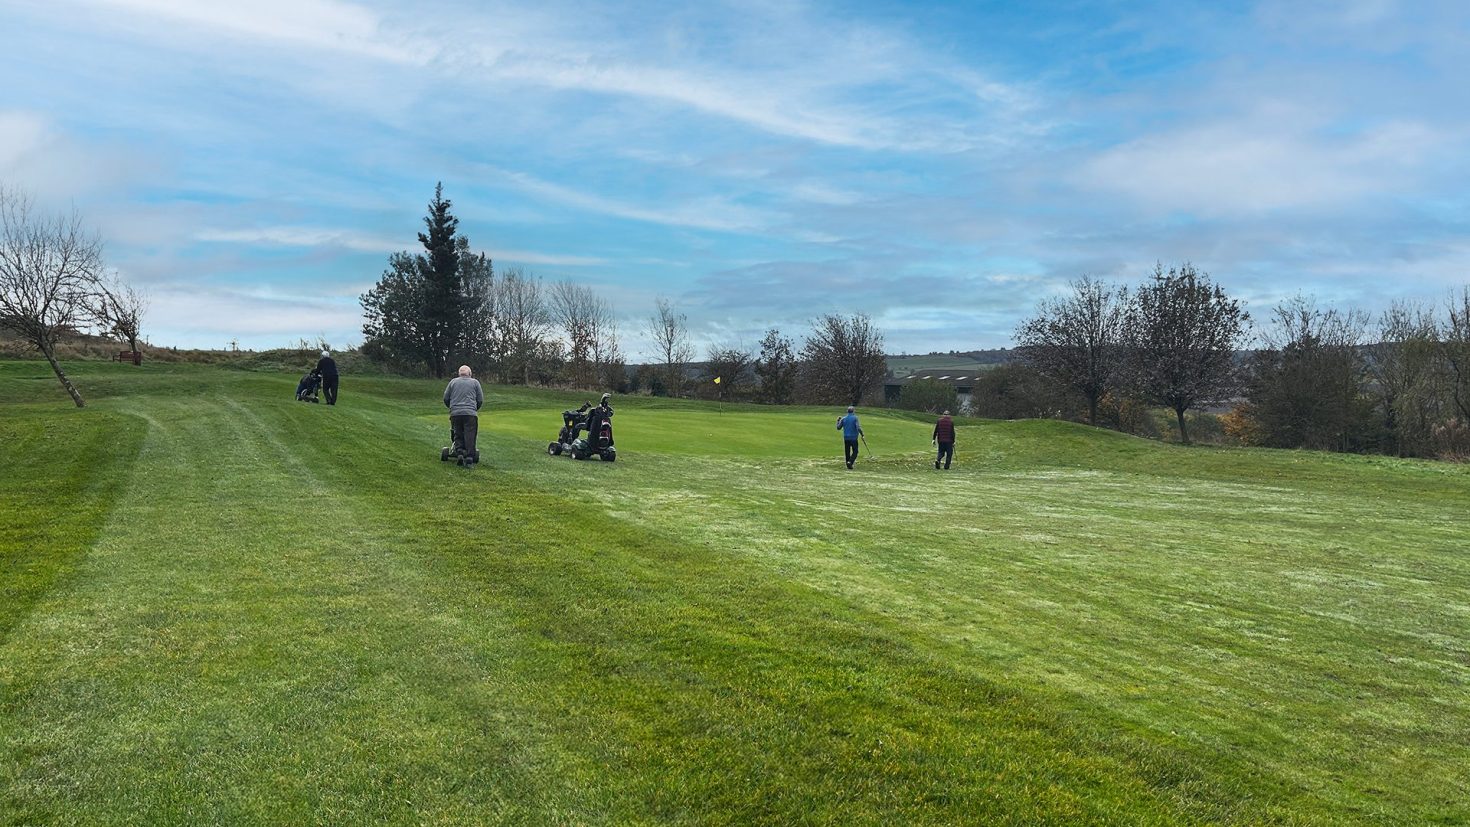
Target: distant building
963, 382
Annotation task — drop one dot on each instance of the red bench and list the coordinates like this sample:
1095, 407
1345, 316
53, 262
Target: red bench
134, 356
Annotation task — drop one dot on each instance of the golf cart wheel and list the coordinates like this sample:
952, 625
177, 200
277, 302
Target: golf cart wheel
444, 454
553, 448
610, 456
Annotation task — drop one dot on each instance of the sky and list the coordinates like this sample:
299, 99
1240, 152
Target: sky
941, 167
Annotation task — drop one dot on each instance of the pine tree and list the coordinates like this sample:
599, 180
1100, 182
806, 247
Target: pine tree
424, 308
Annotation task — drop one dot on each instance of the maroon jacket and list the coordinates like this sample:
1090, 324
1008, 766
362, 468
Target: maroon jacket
944, 430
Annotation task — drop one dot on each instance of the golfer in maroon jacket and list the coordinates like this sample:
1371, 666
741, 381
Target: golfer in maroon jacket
944, 438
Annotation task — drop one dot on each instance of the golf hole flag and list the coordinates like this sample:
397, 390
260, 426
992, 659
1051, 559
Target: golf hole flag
717, 380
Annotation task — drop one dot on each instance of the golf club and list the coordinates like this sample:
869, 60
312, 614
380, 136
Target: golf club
864, 438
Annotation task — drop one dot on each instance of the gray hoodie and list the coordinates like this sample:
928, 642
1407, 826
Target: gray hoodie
463, 396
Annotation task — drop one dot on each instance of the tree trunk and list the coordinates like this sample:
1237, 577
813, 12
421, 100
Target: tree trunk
1092, 410
1183, 431
61, 374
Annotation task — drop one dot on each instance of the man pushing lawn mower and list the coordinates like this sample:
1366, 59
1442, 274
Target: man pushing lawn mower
463, 397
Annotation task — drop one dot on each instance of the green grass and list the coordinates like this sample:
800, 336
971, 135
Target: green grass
221, 606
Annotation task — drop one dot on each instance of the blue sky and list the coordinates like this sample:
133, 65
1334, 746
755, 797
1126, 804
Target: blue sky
939, 166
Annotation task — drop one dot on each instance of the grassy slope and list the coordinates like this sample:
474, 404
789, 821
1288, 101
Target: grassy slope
295, 613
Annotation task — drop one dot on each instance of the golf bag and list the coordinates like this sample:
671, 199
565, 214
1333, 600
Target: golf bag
572, 423
599, 440
307, 388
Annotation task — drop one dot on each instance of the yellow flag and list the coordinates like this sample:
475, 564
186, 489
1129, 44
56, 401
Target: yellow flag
717, 380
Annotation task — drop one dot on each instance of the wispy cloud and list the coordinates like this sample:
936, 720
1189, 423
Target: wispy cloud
333, 25
363, 243
708, 213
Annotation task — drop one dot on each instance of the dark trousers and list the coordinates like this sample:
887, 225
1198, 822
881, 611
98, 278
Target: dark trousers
850, 451
329, 387
946, 453
463, 429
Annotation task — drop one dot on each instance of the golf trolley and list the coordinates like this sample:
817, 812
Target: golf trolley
307, 388
597, 422
453, 452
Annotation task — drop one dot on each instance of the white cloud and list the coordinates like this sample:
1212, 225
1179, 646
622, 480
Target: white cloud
1259, 164
709, 213
36, 156
188, 315
286, 236
309, 24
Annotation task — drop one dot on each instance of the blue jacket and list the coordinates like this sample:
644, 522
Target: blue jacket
849, 427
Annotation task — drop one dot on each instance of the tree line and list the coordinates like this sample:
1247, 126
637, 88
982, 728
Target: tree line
445, 305
1320, 378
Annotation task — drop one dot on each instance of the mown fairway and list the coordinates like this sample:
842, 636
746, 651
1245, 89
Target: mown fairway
220, 606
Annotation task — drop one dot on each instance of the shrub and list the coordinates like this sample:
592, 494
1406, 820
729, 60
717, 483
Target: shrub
928, 395
1451, 441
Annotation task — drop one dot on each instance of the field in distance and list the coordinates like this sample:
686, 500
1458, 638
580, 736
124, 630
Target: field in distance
220, 605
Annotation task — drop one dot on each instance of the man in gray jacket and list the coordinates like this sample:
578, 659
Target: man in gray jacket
463, 397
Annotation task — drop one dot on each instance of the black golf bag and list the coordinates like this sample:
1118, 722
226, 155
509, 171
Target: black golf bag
307, 388
599, 439
573, 422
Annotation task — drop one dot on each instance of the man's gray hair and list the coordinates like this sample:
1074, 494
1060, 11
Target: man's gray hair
326, 353
464, 370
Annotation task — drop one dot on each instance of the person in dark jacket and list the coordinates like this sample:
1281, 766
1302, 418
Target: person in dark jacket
326, 368
851, 430
463, 396
944, 438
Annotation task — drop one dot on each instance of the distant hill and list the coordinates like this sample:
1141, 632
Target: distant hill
905, 364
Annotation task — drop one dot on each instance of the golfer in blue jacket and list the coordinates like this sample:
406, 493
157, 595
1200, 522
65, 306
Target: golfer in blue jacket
851, 430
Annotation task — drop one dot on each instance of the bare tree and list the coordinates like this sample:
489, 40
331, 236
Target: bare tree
607, 352
669, 330
1404, 363
119, 310
577, 310
776, 368
728, 369
1077, 341
1307, 385
50, 268
524, 323
1182, 333
1455, 345
842, 359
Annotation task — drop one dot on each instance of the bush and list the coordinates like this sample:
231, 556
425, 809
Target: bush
1126, 414
929, 396
1017, 391
1451, 441
1204, 428
1241, 427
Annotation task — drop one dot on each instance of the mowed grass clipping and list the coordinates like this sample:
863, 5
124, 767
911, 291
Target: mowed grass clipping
222, 606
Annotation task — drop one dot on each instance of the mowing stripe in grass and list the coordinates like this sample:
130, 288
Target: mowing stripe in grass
1106, 631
